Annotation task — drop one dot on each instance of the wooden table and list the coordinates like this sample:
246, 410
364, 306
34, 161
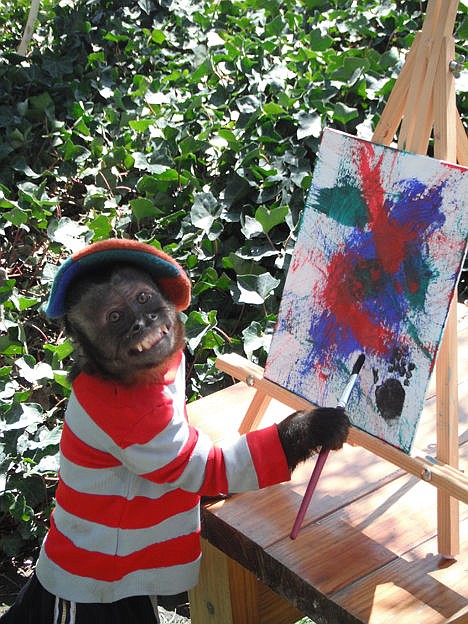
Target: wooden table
367, 551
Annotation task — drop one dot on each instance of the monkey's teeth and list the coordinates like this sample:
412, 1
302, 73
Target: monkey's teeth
151, 340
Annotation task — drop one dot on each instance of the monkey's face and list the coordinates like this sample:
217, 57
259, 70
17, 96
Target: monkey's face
123, 323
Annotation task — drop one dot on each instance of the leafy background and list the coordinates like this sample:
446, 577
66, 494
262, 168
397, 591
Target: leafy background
189, 125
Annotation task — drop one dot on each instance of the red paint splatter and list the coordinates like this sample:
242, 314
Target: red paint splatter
391, 238
344, 294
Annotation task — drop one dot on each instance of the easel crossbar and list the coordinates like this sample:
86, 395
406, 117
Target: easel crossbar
437, 473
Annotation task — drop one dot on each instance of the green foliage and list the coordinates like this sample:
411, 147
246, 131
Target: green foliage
193, 126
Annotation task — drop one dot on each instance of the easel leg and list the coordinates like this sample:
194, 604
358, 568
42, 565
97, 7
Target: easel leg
445, 141
255, 413
447, 435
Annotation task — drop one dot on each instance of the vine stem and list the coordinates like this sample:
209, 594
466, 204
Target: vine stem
29, 28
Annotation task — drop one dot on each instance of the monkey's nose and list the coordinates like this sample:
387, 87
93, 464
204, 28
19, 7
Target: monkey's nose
138, 326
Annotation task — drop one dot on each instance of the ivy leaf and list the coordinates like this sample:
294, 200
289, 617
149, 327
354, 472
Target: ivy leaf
248, 104
142, 208
46, 438
318, 41
255, 338
255, 289
37, 372
68, 232
49, 463
269, 218
251, 227
309, 125
29, 414
344, 113
101, 226
196, 327
205, 210
140, 161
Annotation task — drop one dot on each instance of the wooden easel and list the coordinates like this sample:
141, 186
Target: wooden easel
423, 102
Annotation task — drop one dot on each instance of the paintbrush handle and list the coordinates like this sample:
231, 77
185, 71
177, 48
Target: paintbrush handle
319, 464
322, 458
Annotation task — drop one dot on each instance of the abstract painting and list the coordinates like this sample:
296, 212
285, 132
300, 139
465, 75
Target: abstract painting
380, 246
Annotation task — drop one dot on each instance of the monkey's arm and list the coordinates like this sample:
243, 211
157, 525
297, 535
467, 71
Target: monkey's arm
268, 456
263, 457
255, 460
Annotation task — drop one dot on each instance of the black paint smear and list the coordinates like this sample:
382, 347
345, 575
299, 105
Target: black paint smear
399, 363
390, 397
375, 373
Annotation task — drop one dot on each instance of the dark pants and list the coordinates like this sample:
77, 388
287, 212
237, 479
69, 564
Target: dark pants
35, 605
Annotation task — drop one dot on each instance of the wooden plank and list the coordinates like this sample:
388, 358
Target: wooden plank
244, 595
420, 110
413, 103
220, 414
447, 436
355, 542
29, 28
274, 609
371, 532
445, 109
462, 333
272, 511
419, 586
236, 545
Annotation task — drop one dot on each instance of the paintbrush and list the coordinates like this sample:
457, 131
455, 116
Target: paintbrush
322, 457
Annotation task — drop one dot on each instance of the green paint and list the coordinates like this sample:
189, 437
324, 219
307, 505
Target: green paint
419, 272
344, 204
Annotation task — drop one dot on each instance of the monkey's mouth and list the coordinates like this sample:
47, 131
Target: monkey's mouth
151, 339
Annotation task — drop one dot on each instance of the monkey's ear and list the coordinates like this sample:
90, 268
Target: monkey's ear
167, 272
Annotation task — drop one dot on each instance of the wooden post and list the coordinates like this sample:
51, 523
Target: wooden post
222, 577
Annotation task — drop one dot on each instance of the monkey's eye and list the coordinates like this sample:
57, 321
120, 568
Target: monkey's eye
143, 297
114, 316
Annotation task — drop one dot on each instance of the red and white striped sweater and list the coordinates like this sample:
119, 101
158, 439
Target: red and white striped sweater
132, 470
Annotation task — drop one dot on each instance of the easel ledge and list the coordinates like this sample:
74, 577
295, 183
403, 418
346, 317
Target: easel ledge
437, 473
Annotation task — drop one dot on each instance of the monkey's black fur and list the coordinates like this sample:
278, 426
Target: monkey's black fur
303, 433
125, 329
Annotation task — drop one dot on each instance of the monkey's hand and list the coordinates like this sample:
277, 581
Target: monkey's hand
303, 433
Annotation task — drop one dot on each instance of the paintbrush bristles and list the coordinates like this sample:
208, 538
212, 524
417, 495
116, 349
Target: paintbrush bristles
358, 365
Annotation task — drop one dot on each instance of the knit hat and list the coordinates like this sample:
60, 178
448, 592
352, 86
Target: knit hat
168, 274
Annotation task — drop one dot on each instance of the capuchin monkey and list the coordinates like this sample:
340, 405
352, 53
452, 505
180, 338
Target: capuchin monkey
125, 329
126, 523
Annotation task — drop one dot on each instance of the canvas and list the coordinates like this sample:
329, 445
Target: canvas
380, 246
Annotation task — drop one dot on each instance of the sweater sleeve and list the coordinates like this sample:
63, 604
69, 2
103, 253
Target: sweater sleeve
188, 460
253, 461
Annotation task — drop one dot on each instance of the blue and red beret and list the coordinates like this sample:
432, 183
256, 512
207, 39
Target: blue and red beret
167, 273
